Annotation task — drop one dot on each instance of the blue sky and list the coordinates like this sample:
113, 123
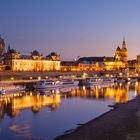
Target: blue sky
71, 27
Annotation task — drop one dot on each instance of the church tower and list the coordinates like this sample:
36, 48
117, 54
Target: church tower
118, 54
2, 47
124, 52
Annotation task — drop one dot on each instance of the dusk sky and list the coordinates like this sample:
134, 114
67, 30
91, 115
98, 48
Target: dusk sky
71, 27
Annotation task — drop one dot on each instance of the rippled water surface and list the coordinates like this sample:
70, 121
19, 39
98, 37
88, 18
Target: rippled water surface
46, 115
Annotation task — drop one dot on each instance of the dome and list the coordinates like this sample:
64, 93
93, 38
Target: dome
12, 51
53, 54
35, 53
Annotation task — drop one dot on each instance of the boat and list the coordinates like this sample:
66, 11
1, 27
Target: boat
10, 88
48, 84
132, 80
43, 84
107, 81
2, 91
68, 82
103, 81
121, 80
92, 81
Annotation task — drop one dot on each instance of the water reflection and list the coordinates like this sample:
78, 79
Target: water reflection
118, 91
13, 104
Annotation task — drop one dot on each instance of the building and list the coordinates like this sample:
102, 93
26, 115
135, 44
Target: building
2, 50
138, 64
69, 66
83, 65
2, 47
119, 61
91, 63
15, 61
121, 55
131, 67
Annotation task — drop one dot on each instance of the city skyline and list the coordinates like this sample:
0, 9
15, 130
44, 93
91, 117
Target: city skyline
72, 28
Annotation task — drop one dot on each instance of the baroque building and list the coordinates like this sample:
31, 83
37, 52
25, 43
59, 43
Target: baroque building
2, 49
121, 54
119, 61
15, 61
138, 64
2, 46
124, 52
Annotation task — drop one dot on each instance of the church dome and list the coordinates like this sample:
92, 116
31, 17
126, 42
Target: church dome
13, 51
53, 54
35, 53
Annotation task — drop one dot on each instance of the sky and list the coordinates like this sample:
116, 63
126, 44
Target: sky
72, 28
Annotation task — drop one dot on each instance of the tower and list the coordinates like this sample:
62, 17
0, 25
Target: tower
118, 54
124, 52
2, 47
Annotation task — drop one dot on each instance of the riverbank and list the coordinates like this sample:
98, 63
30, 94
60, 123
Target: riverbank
7, 75
120, 123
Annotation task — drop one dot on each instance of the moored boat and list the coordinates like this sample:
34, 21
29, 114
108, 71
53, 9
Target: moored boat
10, 88
69, 82
132, 79
102, 81
43, 84
2, 91
48, 84
121, 80
107, 81
91, 82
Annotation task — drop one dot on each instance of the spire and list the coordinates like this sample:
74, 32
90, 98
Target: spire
9, 48
124, 40
1, 38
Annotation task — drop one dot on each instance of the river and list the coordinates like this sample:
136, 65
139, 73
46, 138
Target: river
38, 115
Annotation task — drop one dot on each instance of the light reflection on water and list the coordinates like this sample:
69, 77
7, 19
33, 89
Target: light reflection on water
36, 115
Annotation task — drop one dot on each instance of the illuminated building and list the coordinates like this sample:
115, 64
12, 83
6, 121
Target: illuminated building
15, 61
124, 53
2, 52
138, 64
81, 66
69, 66
131, 67
119, 61
2, 47
35, 62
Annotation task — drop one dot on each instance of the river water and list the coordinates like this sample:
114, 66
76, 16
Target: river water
41, 115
